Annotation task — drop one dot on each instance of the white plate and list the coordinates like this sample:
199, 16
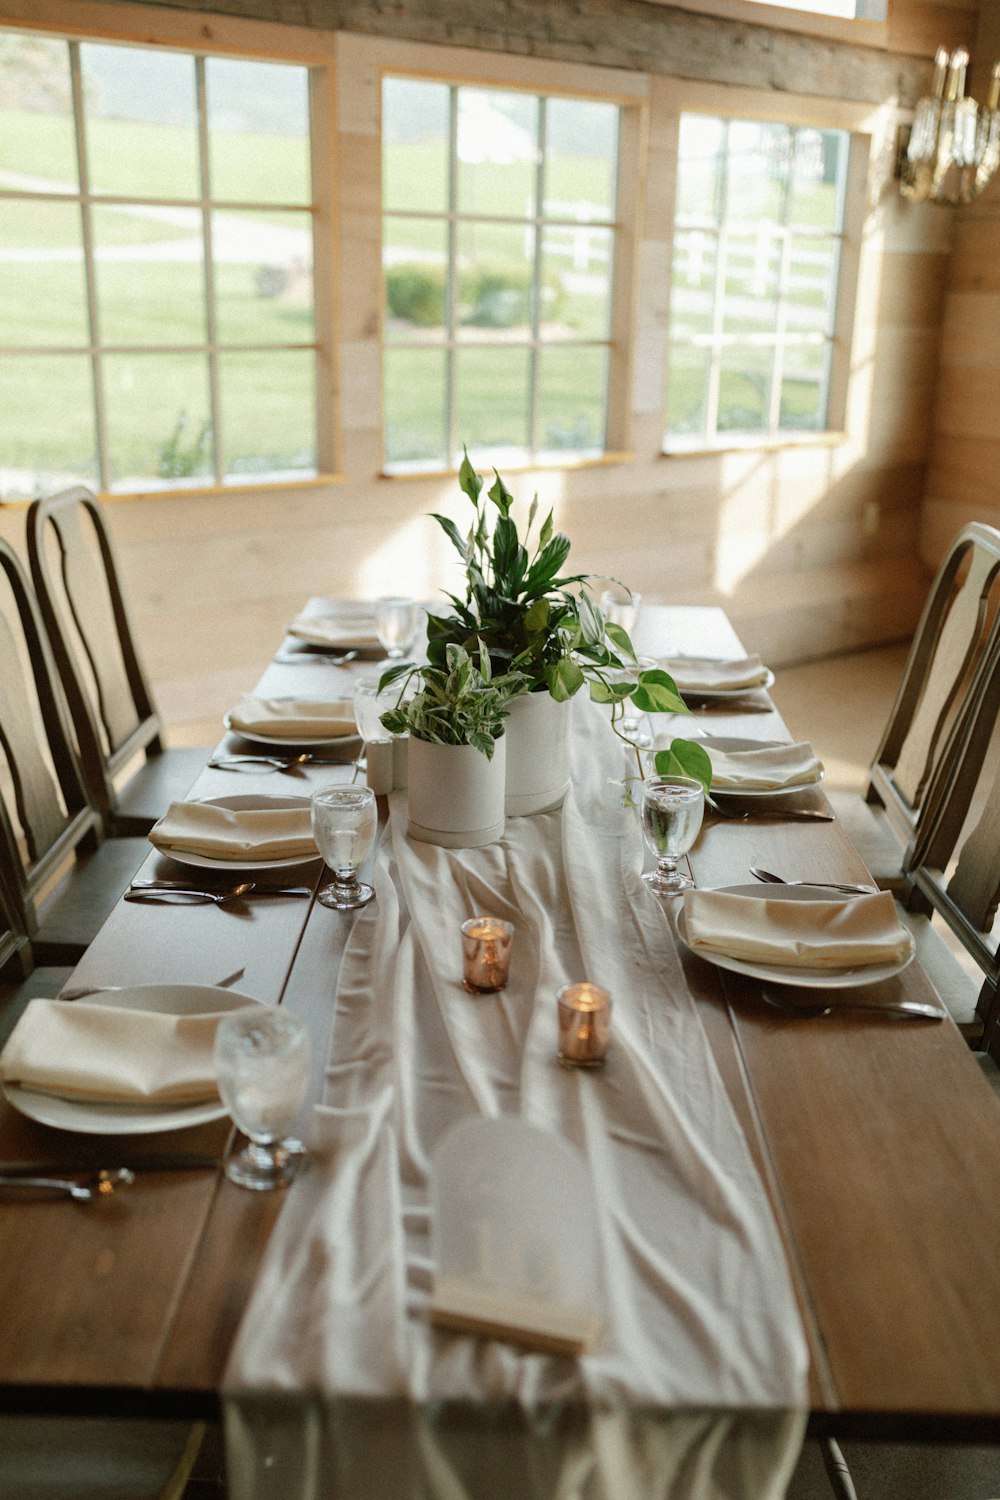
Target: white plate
252, 802
808, 979
93, 1118
730, 744
286, 742
709, 695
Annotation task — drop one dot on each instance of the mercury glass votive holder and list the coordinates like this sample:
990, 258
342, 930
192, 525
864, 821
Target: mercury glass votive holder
486, 954
584, 1025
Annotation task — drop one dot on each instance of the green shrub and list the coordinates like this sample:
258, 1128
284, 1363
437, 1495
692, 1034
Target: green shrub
416, 293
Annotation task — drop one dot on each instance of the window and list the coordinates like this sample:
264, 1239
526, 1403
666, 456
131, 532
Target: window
757, 247
498, 257
157, 309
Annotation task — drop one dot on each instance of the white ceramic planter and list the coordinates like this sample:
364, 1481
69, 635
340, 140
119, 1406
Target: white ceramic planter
537, 754
455, 795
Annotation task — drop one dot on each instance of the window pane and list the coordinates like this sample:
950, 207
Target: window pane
415, 258
744, 389
414, 406
581, 158
812, 270
43, 298
750, 299
159, 430
497, 152
576, 282
496, 273
141, 116
814, 188
258, 131
263, 278
415, 144
759, 160
692, 292
36, 121
700, 159
148, 293
687, 391
803, 387
268, 404
492, 403
571, 400
46, 424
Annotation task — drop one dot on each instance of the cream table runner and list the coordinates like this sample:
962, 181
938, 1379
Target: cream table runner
339, 1387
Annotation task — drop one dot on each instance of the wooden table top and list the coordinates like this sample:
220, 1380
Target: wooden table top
878, 1142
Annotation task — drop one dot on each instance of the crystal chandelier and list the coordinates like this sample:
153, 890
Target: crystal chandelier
954, 146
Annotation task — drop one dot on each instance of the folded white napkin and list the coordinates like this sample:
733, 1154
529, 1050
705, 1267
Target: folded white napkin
225, 833
713, 674
836, 934
335, 630
291, 718
771, 767
112, 1054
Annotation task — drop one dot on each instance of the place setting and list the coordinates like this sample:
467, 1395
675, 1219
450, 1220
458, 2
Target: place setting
306, 731
732, 684
346, 631
761, 779
817, 948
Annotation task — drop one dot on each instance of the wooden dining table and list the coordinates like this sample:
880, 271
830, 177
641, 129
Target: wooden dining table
878, 1141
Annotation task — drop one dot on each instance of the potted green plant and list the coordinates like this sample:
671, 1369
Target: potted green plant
543, 624
456, 761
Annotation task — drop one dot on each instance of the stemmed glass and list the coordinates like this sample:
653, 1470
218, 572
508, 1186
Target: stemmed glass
621, 607
343, 823
672, 811
396, 622
262, 1066
634, 726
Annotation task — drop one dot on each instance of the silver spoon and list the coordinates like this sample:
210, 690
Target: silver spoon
914, 1008
102, 1185
826, 885
218, 898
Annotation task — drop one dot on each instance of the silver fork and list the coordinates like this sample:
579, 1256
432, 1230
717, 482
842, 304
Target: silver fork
825, 885
916, 1009
103, 1184
218, 898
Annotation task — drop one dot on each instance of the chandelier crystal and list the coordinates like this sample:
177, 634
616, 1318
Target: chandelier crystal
954, 146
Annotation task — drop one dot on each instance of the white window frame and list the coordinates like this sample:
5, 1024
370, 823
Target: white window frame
872, 131
175, 32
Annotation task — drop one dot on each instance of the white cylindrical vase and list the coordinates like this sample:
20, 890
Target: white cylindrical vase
537, 754
455, 796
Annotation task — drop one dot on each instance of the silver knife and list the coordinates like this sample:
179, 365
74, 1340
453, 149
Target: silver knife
138, 1161
185, 885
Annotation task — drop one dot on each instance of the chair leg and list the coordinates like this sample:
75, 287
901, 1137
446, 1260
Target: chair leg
837, 1471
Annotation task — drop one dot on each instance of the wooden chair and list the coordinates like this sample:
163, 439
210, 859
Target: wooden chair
960, 621
62, 875
80, 595
20, 980
954, 865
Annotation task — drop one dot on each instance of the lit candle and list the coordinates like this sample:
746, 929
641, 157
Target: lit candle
486, 952
584, 1023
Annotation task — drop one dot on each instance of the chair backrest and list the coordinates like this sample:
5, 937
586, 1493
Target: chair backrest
960, 621
80, 596
47, 813
16, 958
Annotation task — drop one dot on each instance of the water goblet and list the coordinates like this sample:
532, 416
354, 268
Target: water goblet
369, 705
620, 606
262, 1067
634, 726
396, 622
672, 811
343, 822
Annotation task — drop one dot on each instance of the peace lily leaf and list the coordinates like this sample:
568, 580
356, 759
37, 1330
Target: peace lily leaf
685, 758
500, 495
459, 542
468, 479
546, 532
532, 513
656, 693
564, 679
